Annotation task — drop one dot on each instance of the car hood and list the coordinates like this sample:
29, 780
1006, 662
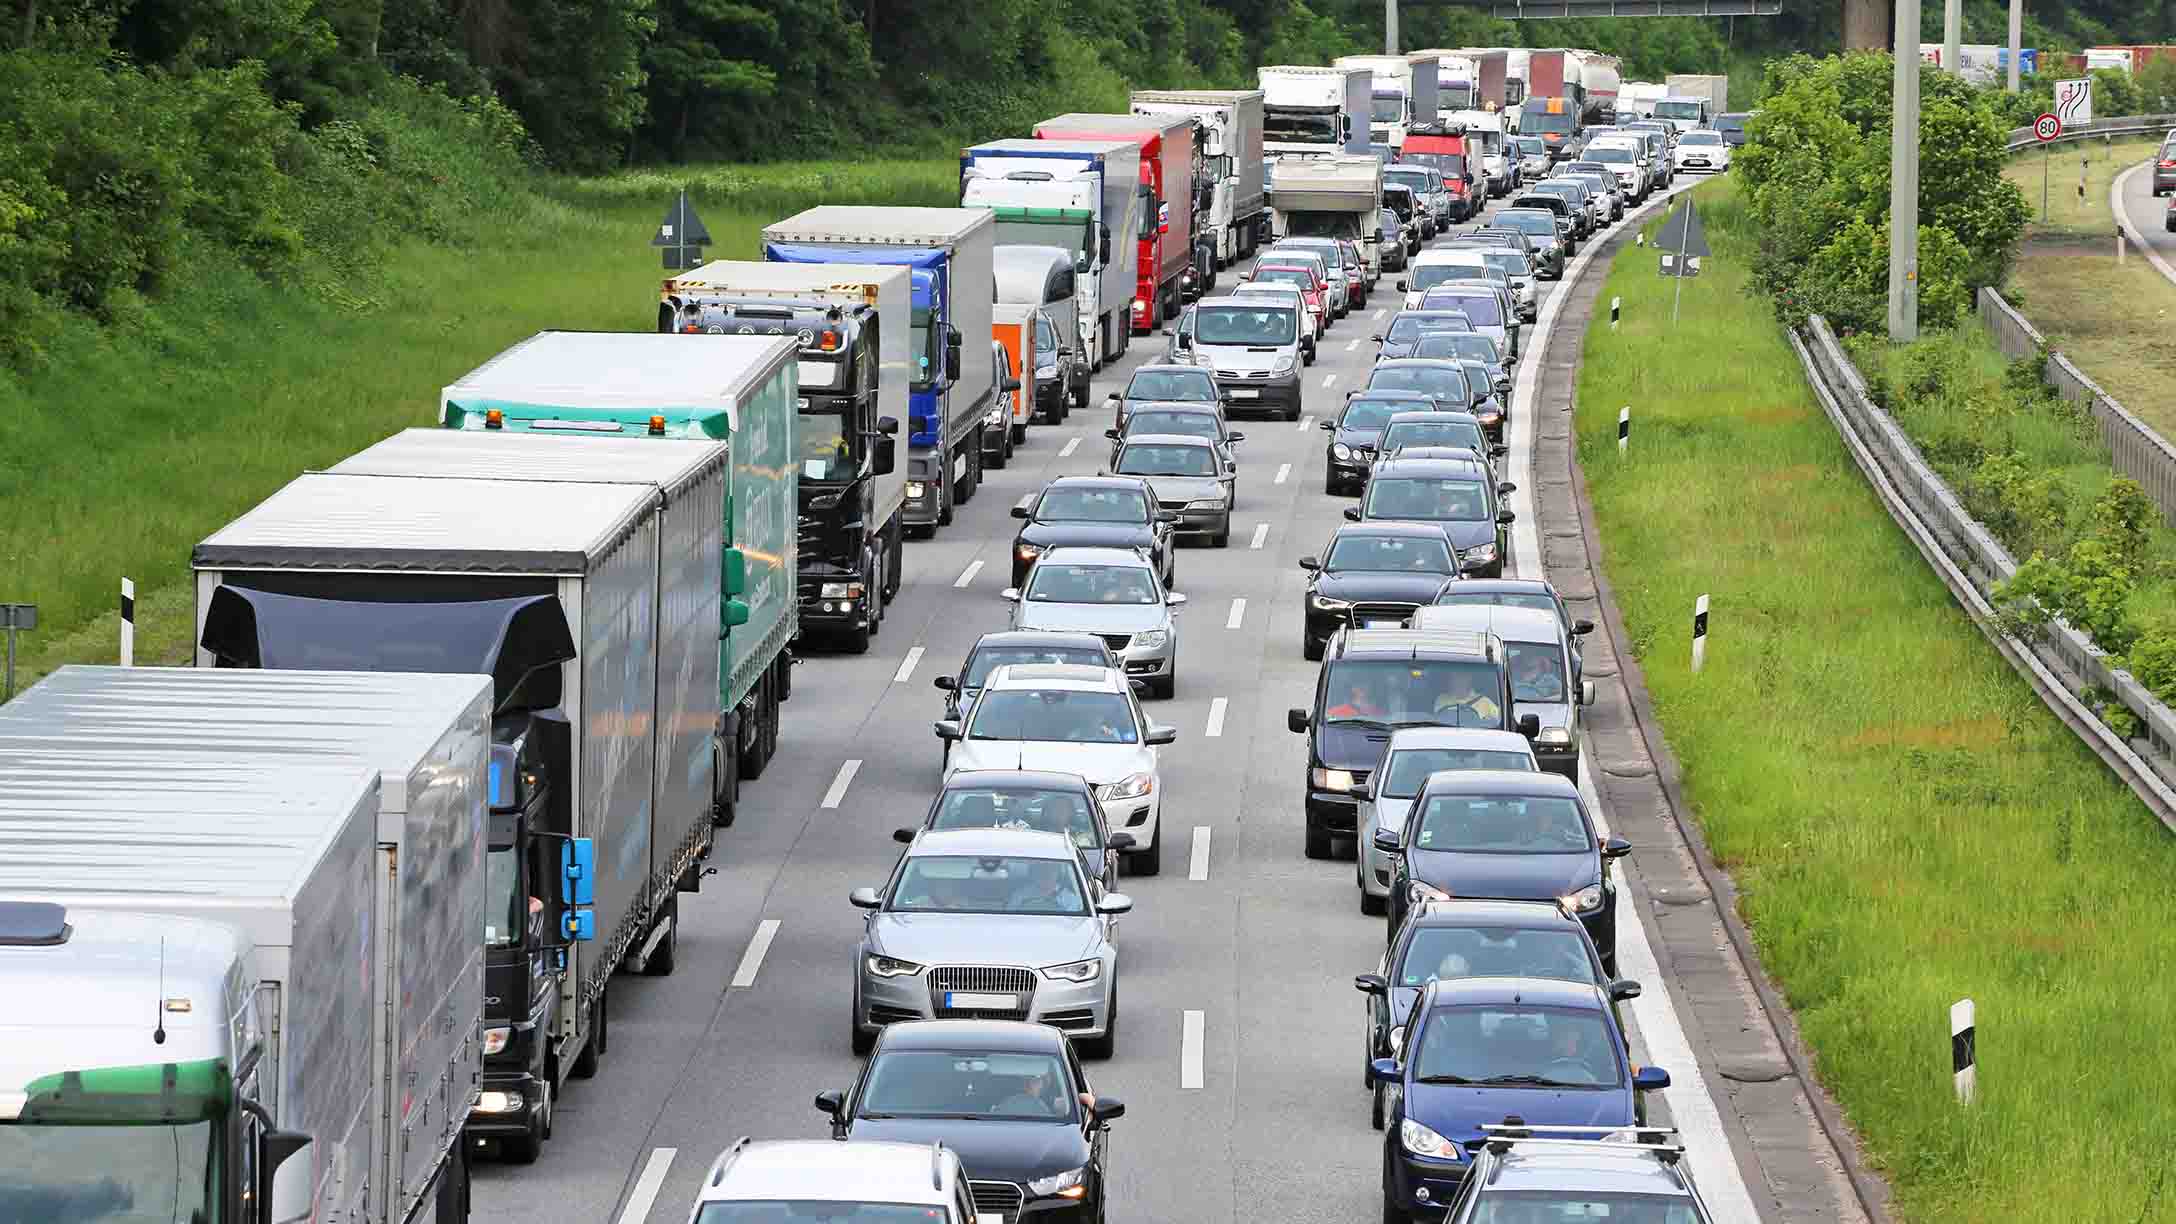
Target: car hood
1551, 713
1384, 585
1358, 437
973, 939
1396, 348
1458, 1111
1090, 618
1391, 813
1350, 746
1100, 764
1464, 534
1088, 535
1238, 358
1186, 488
1513, 877
989, 1149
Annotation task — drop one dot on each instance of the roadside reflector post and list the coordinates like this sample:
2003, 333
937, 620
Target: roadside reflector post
17, 618
128, 622
1963, 1049
1624, 428
1699, 633
1616, 307
2121, 243
1639, 240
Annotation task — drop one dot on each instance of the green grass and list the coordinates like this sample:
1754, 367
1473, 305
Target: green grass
1909, 826
2059, 168
137, 441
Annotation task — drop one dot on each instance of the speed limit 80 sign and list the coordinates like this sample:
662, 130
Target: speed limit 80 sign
2047, 127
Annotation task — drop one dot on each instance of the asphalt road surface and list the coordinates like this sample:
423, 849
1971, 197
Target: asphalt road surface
2132, 191
1240, 1046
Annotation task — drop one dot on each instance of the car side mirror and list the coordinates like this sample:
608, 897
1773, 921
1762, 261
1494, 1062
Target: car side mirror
1108, 1109
866, 898
1121, 840
1021, 512
1378, 336
947, 684
1615, 848
946, 728
1371, 983
1505, 488
1310, 564
1295, 721
1581, 628
1237, 437
904, 837
1112, 434
1352, 514
1401, 289
1586, 692
1160, 734
1010, 384
1384, 1071
1167, 516
1503, 517
1364, 790
832, 1102
1175, 600
1328, 426
1010, 594
1114, 904
1390, 841
1499, 450
1624, 989
1530, 725
1650, 1079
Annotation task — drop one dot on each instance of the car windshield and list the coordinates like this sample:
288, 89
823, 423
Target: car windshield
1518, 1046
1388, 554
1046, 337
1417, 180
1502, 824
1510, 263
990, 658
988, 884
1367, 414
1427, 499
1439, 347
1160, 459
1092, 506
1059, 716
1418, 692
1477, 373
1285, 276
1048, 811
1582, 1207
1428, 275
1729, 123
1529, 145
1409, 767
1537, 672
1529, 223
1059, 582
1475, 345
1702, 138
1449, 953
1611, 154
1151, 421
815, 1211
1450, 431
1412, 325
1443, 382
1264, 326
1023, 1085
1485, 309
1195, 385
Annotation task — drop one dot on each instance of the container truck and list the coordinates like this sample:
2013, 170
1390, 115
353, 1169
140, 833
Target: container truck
1636, 99
594, 607
1598, 81
290, 870
1518, 64
1167, 167
1713, 92
852, 324
1405, 89
1458, 84
1086, 196
1331, 197
1315, 110
1231, 119
948, 252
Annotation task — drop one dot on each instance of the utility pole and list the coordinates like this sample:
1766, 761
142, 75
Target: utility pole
1904, 179
1953, 36
2017, 40
1390, 27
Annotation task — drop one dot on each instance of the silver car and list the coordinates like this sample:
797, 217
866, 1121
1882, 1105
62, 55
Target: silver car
1113, 593
1540, 656
988, 924
1387, 797
1191, 480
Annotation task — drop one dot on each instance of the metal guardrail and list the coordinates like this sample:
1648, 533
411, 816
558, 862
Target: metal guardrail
2114, 125
2061, 663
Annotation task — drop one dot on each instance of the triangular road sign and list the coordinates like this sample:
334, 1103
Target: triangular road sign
681, 227
1681, 234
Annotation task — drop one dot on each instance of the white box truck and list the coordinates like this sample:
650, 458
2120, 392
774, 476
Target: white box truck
1084, 196
1693, 100
1403, 93
948, 251
1317, 111
1485, 137
1231, 119
1331, 197
288, 869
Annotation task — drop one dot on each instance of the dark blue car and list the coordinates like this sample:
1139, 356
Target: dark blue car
1478, 1051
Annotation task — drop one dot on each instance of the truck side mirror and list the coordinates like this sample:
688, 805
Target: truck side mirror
577, 885
274, 1149
951, 354
734, 576
888, 426
886, 459
1103, 244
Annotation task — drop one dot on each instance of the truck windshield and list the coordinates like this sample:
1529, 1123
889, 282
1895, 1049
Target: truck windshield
1264, 325
1537, 119
114, 1174
928, 362
1323, 225
826, 453
1290, 128
506, 910
1068, 232
1389, 106
1677, 110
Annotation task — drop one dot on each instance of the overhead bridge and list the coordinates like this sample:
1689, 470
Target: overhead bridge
1527, 10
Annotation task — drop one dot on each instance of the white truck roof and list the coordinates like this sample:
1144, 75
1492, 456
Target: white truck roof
851, 223
669, 464
619, 369
862, 281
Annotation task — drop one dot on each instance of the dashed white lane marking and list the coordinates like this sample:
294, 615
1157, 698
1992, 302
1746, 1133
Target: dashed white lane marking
1190, 1034
1328, 381
968, 575
647, 1186
1283, 470
1353, 347
1306, 423
1198, 868
1261, 530
751, 961
1071, 445
1216, 718
837, 793
906, 666
1239, 613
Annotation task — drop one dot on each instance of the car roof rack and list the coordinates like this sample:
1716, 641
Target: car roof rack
1501, 1137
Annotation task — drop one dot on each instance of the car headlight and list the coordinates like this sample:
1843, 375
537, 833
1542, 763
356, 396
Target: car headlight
1285, 365
1585, 901
916, 488
1421, 1141
1332, 779
1150, 639
1072, 1184
892, 966
1323, 603
840, 590
495, 1039
1339, 450
1418, 893
1028, 552
1481, 552
1135, 787
1559, 736
1075, 971
1206, 503
1397, 1038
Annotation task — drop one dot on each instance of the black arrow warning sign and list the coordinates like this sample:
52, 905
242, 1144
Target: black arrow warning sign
1681, 234
682, 234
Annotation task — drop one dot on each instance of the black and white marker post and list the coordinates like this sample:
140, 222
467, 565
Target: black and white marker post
128, 623
1963, 1049
1624, 428
1699, 633
1616, 308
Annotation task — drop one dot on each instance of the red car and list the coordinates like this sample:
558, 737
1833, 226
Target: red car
1303, 276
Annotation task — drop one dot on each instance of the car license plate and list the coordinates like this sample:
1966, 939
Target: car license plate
1383, 624
1246, 393
970, 1001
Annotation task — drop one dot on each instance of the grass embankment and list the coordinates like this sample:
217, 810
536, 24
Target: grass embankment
1908, 824
133, 444
2118, 323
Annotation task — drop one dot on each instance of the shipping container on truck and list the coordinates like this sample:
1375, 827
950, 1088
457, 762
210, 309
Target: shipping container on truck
1232, 145
1331, 197
1404, 91
1314, 111
1599, 80
852, 323
949, 252
594, 607
312, 844
1086, 196
1518, 64
1012, 324
1167, 167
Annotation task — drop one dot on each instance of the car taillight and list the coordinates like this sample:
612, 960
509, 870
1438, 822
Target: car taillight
2168, 163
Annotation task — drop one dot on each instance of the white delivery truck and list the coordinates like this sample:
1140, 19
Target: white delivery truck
1086, 196
1485, 135
1315, 110
1636, 99
1231, 120
1331, 197
1403, 93
284, 876
1693, 100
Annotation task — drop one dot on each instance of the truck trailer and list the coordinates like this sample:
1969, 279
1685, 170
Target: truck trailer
1315, 111
595, 609
1086, 196
1012, 326
1231, 119
948, 252
1598, 79
1167, 144
1331, 197
851, 323
1713, 91
1404, 91
290, 870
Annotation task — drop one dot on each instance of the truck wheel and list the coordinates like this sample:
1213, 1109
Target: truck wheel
784, 666
724, 802
585, 1063
660, 961
894, 565
872, 565
527, 1146
757, 757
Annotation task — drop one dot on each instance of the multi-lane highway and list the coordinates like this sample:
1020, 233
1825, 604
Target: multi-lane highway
1240, 1051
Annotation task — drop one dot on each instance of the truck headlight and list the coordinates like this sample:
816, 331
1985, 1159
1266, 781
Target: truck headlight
1585, 901
495, 1039
496, 1102
1332, 779
1075, 971
892, 966
840, 590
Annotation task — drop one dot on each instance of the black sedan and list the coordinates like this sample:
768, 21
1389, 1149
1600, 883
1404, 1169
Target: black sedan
1354, 433
1373, 572
1009, 1097
1093, 512
1030, 799
1459, 496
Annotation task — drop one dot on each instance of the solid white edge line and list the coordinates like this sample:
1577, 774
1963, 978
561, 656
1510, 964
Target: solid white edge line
1238, 612
1071, 445
1283, 470
644, 1195
1261, 535
2123, 218
1197, 868
968, 575
1191, 1026
906, 666
1216, 718
839, 784
751, 961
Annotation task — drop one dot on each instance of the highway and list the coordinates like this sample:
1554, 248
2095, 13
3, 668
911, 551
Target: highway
1239, 1052
2131, 197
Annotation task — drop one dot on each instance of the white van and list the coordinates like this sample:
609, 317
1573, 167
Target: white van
1485, 131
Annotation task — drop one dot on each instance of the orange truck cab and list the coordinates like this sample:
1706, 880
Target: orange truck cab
1013, 325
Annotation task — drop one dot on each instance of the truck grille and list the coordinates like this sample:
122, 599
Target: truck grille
1116, 641
810, 534
988, 979
997, 1198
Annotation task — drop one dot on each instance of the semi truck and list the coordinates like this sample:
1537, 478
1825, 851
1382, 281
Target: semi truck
1712, 90
288, 875
1556, 106
1458, 85
1518, 68
1086, 196
1331, 197
948, 252
1403, 90
593, 606
1315, 110
852, 324
1231, 120
1167, 255
1636, 99
1598, 79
